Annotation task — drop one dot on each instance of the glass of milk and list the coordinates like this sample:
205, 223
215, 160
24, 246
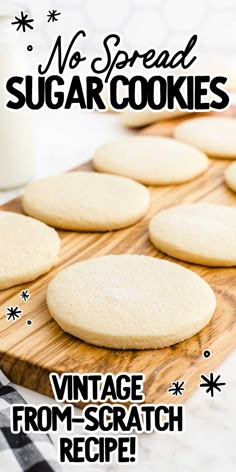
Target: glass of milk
17, 155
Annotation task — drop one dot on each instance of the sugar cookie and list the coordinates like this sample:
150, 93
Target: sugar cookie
213, 135
28, 249
201, 233
150, 160
137, 119
86, 201
230, 176
130, 302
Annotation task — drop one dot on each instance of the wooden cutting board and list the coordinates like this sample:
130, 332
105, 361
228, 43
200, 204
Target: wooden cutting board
29, 353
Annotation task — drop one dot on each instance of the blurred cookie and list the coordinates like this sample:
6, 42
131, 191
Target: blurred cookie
230, 176
201, 233
137, 119
150, 160
216, 136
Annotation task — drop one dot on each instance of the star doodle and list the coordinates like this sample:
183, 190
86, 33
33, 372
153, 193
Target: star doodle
23, 22
211, 384
177, 389
52, 15
13, 313
25, 295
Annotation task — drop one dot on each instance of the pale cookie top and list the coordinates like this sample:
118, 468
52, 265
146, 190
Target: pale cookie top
216, 136
130, 301
28, 249
230, 176
200, 232
137, 119
86, 201
151, 160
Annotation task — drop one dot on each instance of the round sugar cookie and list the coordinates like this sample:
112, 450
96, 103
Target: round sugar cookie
130, 302
213, 135
137, 119
151, 160
86, 201
201, 233
230, 176
28, 249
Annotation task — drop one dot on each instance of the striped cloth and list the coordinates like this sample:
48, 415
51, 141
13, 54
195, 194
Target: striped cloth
22, 452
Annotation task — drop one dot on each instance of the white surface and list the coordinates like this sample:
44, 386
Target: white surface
208, 444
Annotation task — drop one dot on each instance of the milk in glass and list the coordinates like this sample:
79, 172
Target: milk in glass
17, 156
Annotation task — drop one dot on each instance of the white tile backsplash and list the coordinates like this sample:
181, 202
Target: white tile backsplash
145, 29
142, 23
185, 15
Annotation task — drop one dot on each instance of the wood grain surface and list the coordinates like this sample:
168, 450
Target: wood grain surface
29, 353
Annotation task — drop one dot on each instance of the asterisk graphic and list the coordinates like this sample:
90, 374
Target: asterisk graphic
211, 384
25, 295
13, 313
23, 22
177, 388
52, 15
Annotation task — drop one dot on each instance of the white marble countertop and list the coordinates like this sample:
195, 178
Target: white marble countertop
208, 443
